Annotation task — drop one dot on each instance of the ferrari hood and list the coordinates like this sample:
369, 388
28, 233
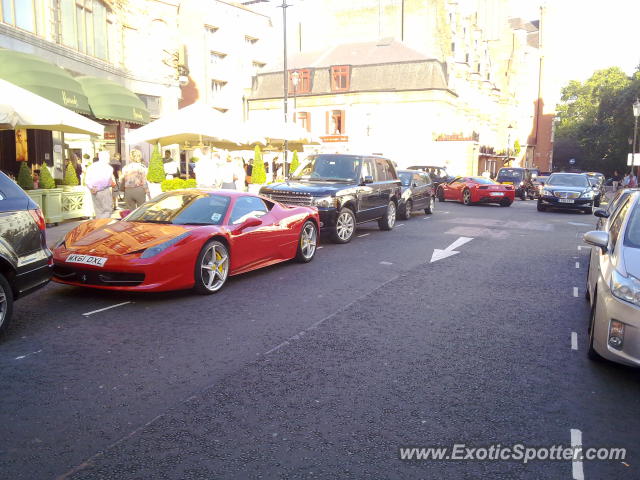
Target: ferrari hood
110, 237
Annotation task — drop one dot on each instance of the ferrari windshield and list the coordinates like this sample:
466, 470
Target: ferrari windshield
185, 208
337, 168
568, 180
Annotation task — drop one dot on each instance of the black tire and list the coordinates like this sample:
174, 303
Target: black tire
541, 208
431, 207
388, 220
506, 203
466, 197
212, 249
591, 352
6, 303
588, 211
307, 243
440, 194
345, 226
408, 208
524, 196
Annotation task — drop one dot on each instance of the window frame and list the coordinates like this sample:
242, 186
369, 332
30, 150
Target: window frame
332, 114
305, 81
340, 78
304, 119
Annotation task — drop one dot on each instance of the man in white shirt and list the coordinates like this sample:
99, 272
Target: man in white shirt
228, 174
99, 179
206, 171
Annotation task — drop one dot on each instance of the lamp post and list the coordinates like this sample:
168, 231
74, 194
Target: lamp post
295, 81
636, 114
509, 128
285, 81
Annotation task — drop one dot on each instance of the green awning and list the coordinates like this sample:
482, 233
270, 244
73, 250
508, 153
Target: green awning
111, 101
43, 78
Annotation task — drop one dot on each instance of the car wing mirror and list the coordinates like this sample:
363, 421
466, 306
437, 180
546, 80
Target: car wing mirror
598, 239
124, 213
367, 179
601, 212
248, 223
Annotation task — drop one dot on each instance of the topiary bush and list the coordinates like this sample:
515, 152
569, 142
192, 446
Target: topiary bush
46, 179
258, 174
177, 184
25, 180
156, 167
295, 163
70, 177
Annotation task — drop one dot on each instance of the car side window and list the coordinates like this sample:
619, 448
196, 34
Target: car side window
381, 170
246, 207
418, 180
392, 174
617, 201
426, 179
367, 169
616, 222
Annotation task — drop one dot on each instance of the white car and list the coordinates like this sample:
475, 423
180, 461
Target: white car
613, 286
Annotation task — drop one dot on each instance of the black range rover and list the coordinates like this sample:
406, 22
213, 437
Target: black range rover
346, 189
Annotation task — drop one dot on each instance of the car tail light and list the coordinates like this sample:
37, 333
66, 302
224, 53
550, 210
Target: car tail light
39, 218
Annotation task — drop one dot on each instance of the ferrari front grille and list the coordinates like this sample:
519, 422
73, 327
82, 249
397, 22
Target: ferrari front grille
98, 277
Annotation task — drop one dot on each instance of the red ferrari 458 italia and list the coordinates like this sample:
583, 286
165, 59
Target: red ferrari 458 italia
470, 190
186, 239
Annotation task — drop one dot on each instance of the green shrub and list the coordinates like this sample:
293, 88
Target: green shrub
25, 180
295, 163
177, 184
156, 167
46, 179
70, 177
258, 174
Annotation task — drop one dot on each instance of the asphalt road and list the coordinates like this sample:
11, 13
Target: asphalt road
325, 370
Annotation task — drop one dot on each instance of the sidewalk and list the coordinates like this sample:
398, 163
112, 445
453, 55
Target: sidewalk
55, 233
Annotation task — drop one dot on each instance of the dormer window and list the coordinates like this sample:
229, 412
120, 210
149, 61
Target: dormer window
303, 81
340, 78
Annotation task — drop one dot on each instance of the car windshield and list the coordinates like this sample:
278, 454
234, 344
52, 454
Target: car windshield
182, 209
568, 180
484, 181
509, 173
405, 178
632, 238
337, 168
594, 181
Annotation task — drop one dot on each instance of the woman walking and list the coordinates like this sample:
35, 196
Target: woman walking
134, 181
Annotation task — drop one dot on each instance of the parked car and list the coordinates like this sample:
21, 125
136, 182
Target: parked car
520, 178
597, 183
538, 183
186, 239
469, 190
417, 193
567, 191
613, 286
346, 189
612, 206
25, 260
438, 175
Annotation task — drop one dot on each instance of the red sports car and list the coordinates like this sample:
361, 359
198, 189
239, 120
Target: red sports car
470, 190
186, 239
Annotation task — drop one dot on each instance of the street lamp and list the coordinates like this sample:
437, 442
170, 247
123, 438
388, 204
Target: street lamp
509, 129
295, 81
636, 114
285, 82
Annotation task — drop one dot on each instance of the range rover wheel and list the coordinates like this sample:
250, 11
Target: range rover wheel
307, 242
345, 226
212, 268
431, 207
389, 219
6, 303
408, 207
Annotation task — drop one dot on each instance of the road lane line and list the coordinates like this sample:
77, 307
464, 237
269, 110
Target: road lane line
575, 291
400, 225
580, 247
277, 347
386, 263
577, 264
576, 464
574, 341
106, 308
319, 247
27, 355
363, 235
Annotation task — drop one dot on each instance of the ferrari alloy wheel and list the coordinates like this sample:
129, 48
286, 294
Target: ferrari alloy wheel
345, 226
6, 302
466, 197
389, 220
407, 210
431, 207
308, 242
212, 267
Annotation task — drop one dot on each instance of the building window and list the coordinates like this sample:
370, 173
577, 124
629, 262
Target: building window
250, 40
83, 26
340, 78
24, 14
304, 120
336, 122
217, 58
304, 81
217, 86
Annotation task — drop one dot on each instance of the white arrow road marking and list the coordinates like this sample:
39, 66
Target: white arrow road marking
576, 463
27, 355
574, 341
386, 263
575, 291
106, 308
450, 250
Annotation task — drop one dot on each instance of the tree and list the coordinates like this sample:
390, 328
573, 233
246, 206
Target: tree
156, 167
70, 177
46, 180
258, 174
25, 180
295, 163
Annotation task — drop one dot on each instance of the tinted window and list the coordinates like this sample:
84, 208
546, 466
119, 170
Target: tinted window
419, 180
246, 207
330, 167
383, 170
616, 222
405, 178
426, 179
182, 209
510, 173
632, 238
367, 169
568, 180
620, 196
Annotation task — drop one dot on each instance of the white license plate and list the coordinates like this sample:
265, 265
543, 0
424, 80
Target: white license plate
497, 194
566, 200
86, 259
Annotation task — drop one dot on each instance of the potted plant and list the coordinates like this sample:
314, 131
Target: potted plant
73, 195
25, 180
258, 173
155, 175
295, 163
51, 196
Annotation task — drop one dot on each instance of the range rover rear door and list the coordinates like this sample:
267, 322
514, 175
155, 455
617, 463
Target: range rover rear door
368, 193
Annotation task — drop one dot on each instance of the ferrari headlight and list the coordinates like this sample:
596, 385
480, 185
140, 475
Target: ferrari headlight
324, 202
156, 249
625, 288
587, 194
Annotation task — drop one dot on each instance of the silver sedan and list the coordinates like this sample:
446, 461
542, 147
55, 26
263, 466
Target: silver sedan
613, 286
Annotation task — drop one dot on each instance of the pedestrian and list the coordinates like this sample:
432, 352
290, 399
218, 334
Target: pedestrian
206, 171
616, 180
171, 168
633, 180
248, 171
116, 164
100, 181
228, 174
134, 181
625, 181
